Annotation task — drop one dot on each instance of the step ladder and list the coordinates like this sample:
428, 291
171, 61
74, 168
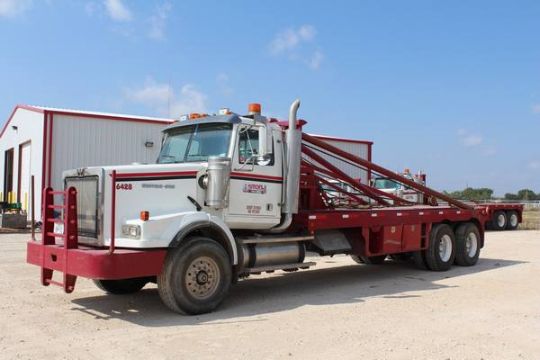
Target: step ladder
59, 250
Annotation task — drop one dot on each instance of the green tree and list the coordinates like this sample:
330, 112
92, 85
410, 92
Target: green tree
472, 194
527, 194
510, 196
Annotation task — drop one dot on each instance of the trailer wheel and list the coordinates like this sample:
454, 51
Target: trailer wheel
196, 277
401, 257
467, 244
440, 254
419, 260
513, 220
369, 260
121, 287
499, 220
373, 260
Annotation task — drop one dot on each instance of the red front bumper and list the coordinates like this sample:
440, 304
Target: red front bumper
94, 263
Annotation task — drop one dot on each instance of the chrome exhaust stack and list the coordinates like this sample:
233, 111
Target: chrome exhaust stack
292, 179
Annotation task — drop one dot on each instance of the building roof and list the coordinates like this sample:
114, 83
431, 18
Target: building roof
86, 114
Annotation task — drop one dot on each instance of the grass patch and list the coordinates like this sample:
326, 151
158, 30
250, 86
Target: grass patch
531, 220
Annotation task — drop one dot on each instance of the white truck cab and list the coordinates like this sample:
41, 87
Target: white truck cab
227, 170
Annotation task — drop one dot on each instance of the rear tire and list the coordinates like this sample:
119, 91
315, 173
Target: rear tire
196, 277
441, 252
369, 260
374, 260
499, 220
121, 287
513, 220
467, 244
419, 260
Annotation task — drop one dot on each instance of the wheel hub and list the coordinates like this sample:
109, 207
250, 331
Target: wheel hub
513, 220
471, 244
445, 248
501, 220
202, 277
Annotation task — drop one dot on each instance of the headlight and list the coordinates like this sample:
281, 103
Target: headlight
132, 231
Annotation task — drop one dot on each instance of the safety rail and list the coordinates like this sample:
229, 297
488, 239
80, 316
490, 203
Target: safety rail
68, 218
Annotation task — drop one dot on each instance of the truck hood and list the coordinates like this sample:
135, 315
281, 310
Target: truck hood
138, 169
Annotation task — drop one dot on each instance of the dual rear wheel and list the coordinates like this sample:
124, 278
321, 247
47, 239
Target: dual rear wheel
447, 247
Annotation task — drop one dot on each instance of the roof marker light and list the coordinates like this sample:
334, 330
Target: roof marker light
254, 108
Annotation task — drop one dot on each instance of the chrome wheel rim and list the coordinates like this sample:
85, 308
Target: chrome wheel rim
445, 248
501, 220
513, 220
202, 277
471, 245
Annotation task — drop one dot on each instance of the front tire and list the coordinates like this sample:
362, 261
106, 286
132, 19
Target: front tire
467, 244
121, 287
440, 254
196, 277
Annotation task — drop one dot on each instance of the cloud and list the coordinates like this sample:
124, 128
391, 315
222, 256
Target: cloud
12, 8
534, 165
158, 21
117, 10
536, 109
298, 44
289, 39
164, 100
223, 84
468, 139
316, 60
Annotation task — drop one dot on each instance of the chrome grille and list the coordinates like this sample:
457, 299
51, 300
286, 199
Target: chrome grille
87, 204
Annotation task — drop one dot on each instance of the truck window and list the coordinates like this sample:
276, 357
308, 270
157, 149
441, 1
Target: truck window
382, 183
195, 143
248, 148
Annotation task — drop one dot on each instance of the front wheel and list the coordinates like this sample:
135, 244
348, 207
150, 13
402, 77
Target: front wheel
196, 277
121, 287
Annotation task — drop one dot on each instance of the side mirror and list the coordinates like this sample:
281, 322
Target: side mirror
265, 141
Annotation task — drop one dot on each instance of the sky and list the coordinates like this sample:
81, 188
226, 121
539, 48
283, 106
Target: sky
450, 88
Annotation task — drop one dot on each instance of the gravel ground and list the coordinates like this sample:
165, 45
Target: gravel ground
338, 309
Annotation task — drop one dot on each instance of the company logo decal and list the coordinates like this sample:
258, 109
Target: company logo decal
254, 188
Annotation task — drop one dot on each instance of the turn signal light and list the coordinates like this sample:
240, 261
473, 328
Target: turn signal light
254, 108
145, 215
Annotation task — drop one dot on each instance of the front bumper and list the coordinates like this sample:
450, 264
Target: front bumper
96, 263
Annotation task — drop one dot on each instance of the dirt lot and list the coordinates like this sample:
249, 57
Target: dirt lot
336, 310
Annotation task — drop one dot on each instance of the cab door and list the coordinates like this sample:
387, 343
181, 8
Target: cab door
256, 182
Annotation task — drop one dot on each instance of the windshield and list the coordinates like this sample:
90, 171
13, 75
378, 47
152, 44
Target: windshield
195, 143
382, 183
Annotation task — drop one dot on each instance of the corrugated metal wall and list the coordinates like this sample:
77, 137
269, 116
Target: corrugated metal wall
83, 142
359, 149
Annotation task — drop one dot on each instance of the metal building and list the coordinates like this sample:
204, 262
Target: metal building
43, 142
